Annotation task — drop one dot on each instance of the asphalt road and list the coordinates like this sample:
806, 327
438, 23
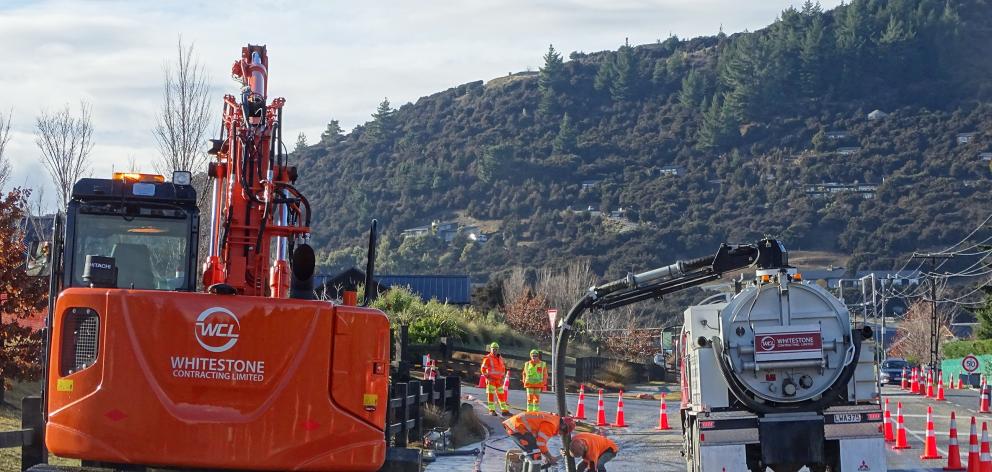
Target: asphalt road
645, 449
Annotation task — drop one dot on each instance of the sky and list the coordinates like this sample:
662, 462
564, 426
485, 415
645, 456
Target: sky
329, 59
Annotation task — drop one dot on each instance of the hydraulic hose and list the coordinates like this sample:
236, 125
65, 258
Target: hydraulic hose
559, 370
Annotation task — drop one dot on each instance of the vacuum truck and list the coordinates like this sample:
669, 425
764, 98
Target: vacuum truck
773, 375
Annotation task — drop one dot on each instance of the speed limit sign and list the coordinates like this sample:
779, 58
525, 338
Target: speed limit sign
970, 363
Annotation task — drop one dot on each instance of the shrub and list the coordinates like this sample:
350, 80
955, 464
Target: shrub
963, 348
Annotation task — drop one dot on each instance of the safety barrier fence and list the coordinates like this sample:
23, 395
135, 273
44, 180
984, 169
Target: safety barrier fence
29, 437
405, 417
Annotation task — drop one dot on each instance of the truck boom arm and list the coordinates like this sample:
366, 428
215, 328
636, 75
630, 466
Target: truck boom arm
765, 254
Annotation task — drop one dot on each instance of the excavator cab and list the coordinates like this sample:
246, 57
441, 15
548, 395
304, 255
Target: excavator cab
142, 230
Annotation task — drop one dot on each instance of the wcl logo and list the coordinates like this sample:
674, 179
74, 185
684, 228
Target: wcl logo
217, 329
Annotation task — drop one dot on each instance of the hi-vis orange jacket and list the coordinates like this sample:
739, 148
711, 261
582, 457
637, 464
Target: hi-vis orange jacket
542, 425
596, 445
493, 369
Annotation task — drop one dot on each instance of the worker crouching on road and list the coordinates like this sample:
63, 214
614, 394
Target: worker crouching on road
535, 379
494, 370
532, 429
594, 451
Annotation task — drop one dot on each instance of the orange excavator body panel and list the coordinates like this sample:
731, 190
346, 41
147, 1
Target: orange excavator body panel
218, 381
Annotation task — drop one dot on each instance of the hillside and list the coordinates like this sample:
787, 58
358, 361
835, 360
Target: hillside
649, 153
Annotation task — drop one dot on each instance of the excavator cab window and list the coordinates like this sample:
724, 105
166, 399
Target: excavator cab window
150, 252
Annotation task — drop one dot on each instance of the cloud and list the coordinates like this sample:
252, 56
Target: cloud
331, 60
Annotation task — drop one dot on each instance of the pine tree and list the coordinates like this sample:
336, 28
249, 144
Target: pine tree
692, 90
717, 127
383, 125
811, 56
333, 133
301, 143
550, 80
605, 74
625, 68
566, 141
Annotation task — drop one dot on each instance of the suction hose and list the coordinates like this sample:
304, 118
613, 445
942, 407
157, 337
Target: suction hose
565, 327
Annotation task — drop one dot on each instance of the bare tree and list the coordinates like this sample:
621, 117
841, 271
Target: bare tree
913, 335
4, 139
181, 128
514, 286
65, 141
562, 287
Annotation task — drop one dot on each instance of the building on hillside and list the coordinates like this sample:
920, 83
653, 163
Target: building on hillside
674, 171
829, 189
837, 134
877, 115
416, 232
452, 289
965, 138
985, 156
588, 184
848, 150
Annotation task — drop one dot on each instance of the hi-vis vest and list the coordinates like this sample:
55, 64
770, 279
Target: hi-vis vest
535, 374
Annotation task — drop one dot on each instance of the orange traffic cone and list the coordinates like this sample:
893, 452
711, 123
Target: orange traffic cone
904, 383
887, 420
601, 414
619, 419
930, 384
940, 387
985, 458
960, 382
953, 451
663, 416
983, 405
900, 430
930, 444
974, 457
915, 386
580, 410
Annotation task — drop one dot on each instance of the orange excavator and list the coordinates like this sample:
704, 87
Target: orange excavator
145, 371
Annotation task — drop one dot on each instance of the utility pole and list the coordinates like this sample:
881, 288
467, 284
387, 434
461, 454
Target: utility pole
932, 257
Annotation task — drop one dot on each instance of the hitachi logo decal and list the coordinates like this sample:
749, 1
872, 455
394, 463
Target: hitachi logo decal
101, 265
217, 329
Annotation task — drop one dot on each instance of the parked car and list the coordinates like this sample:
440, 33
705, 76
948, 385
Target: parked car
891, 371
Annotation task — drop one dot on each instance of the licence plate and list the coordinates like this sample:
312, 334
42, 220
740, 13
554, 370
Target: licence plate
847, 418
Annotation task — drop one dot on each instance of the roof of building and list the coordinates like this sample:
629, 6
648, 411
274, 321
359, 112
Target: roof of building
455, 289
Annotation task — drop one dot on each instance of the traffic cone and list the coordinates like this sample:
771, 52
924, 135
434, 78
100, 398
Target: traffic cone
960, 381
930, 444
887, 420
915, 386
986, 459
619, 418
901, 442
930, 384
580, 410
904, 383
974, 457
953, 451
940, 387
983, 405
663, 416
601, 414
483, 383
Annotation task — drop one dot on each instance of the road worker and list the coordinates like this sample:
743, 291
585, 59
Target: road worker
535, 379
593, 450
494, 370
532, 429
